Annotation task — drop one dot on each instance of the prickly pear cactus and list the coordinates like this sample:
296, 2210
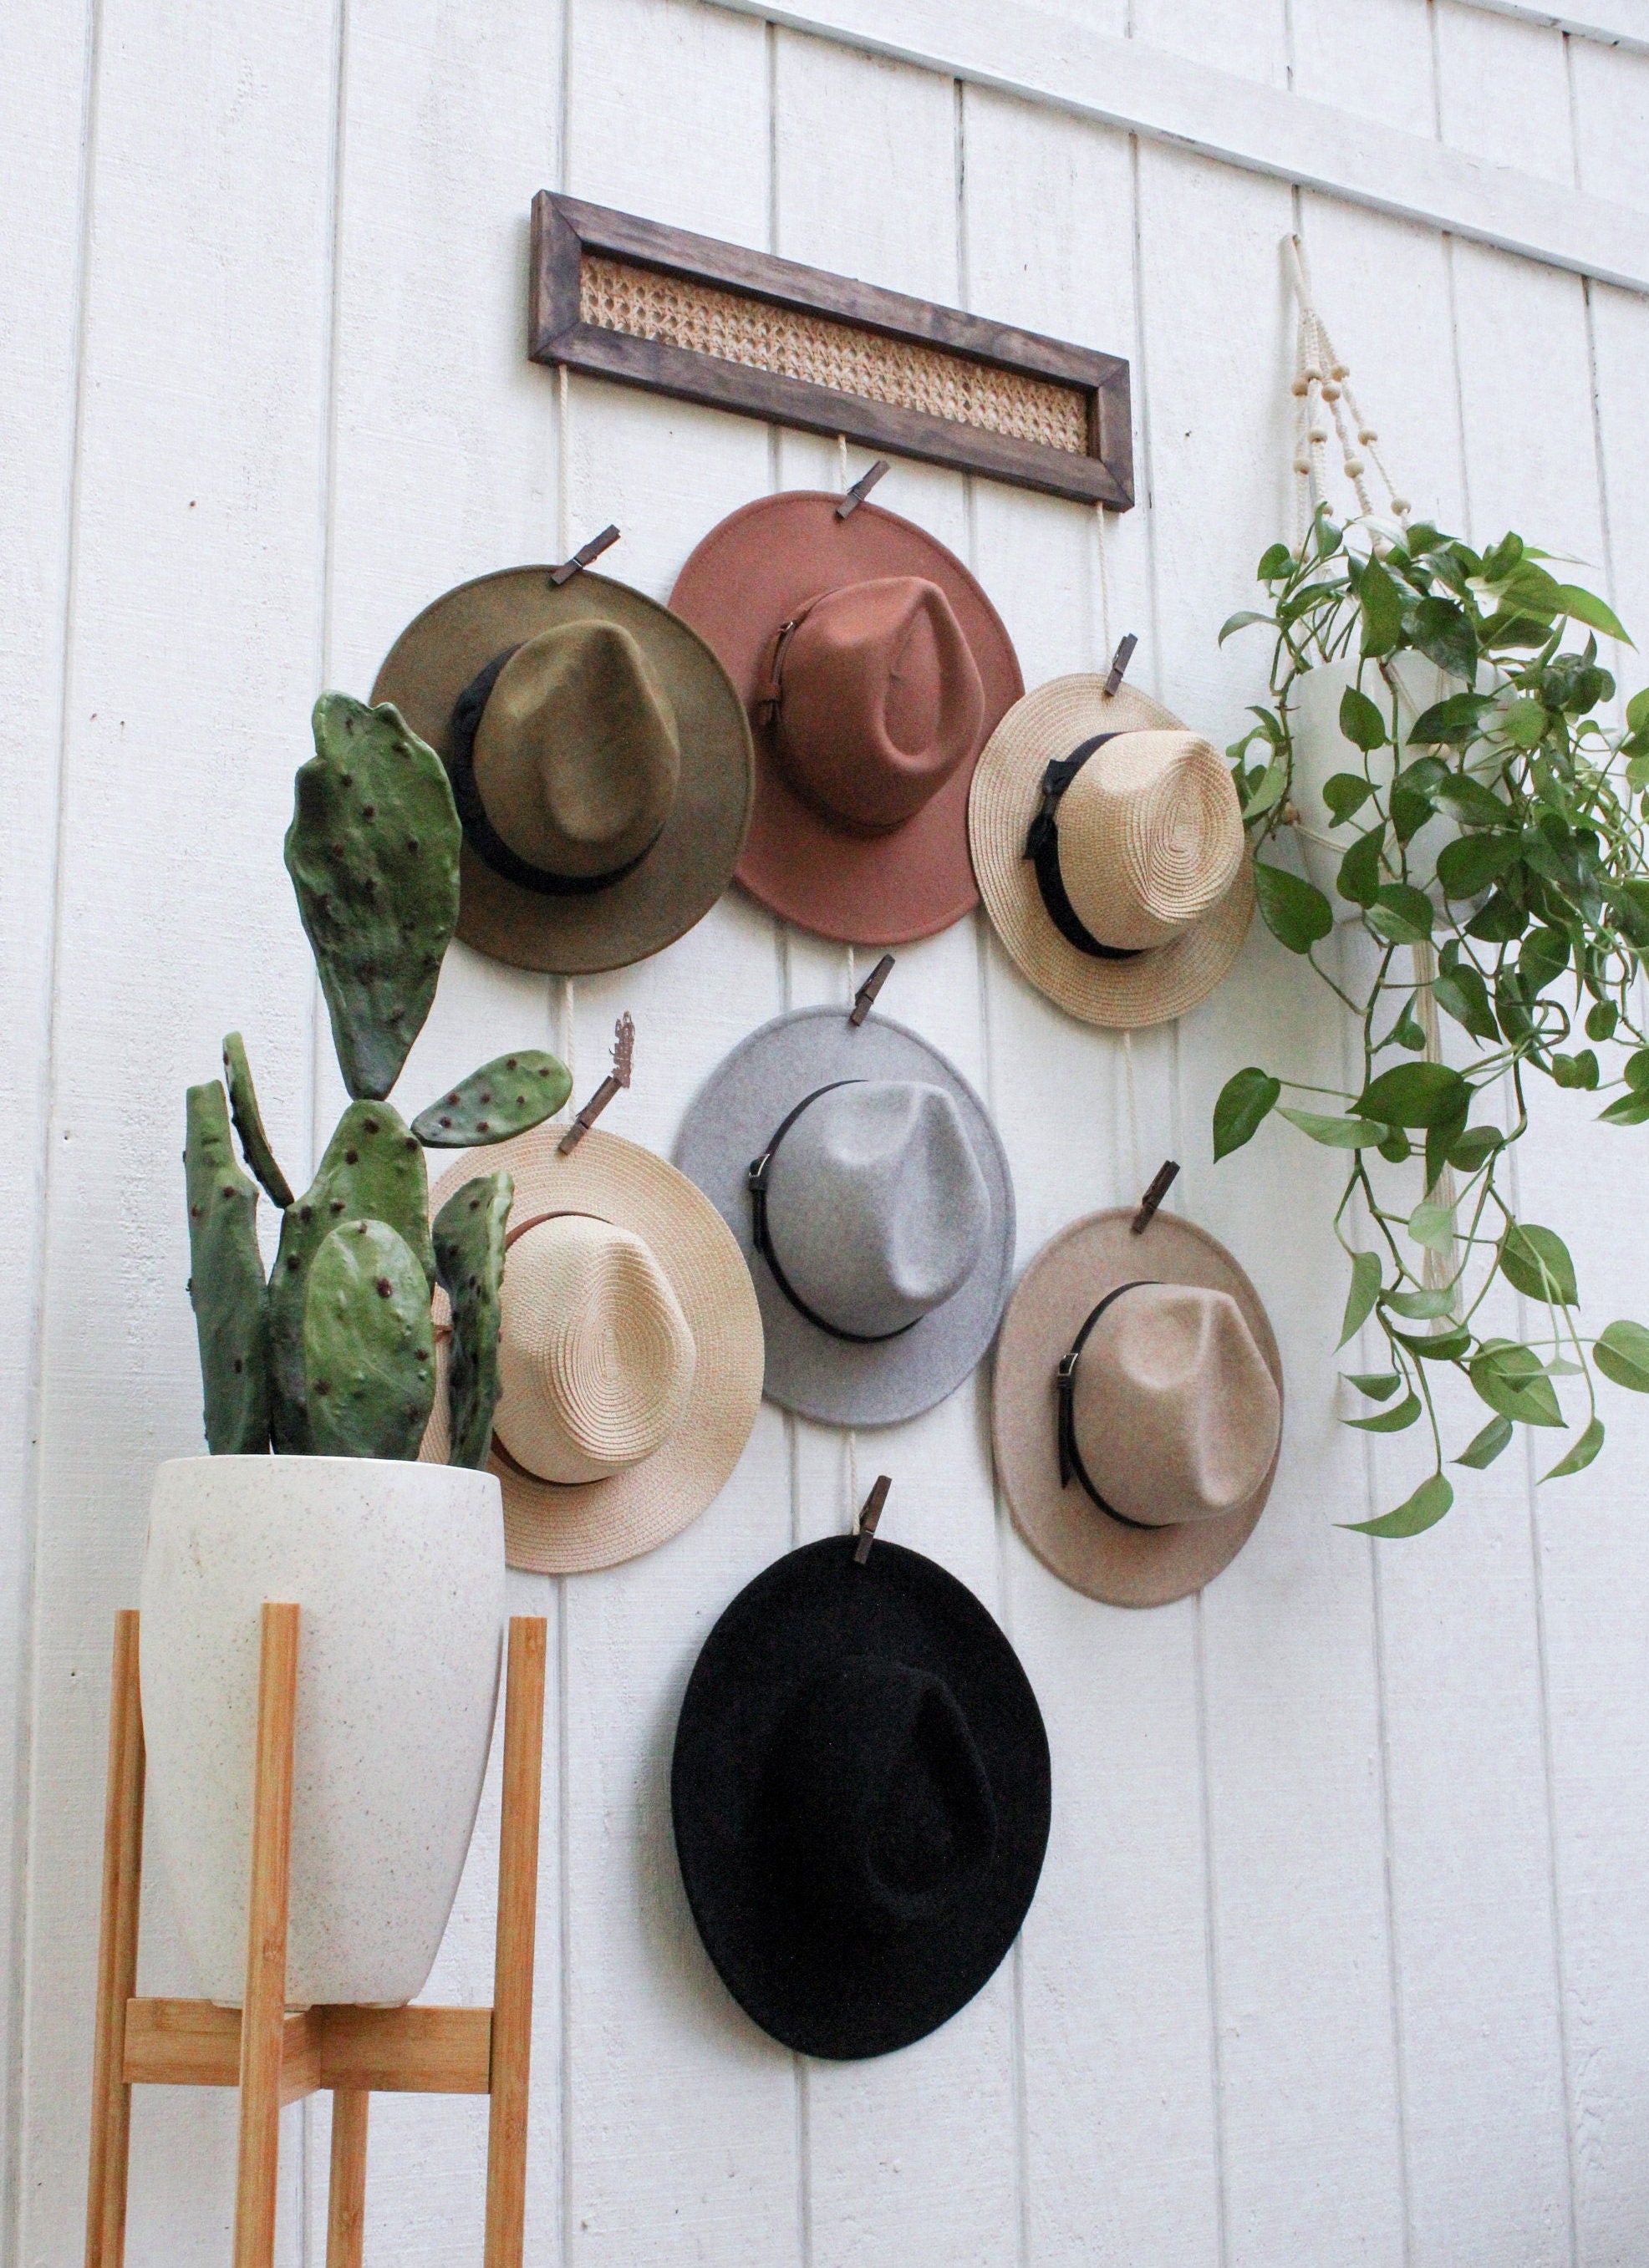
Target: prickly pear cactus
469, 1234
226, 1287
505, 1097
243, 1105
373, 851
373, 1169
369, 1344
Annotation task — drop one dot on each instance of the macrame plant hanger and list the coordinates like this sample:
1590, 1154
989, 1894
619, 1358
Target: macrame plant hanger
1323, 397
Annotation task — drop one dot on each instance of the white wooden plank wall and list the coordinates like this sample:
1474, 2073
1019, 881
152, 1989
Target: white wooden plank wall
1340, 1951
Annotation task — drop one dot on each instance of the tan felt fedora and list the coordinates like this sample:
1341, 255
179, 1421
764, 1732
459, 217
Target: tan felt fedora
1137, 1408
873, 668
1108, 842
599, 760
630, 1353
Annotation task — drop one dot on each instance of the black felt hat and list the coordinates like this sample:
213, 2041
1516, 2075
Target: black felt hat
860, 1792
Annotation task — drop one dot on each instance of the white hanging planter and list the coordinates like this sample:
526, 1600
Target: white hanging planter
1321, 750
398, 1569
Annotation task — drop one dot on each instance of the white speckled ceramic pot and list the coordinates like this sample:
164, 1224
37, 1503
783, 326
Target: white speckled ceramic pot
399, 1572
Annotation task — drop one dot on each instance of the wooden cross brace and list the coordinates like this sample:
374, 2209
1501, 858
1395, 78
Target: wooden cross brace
274, 2055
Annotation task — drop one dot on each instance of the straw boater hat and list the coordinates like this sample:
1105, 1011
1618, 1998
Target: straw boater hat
860, 1792
1107, 841
870, 1196
1137, 1408
600, 761
873, 668
630, 1353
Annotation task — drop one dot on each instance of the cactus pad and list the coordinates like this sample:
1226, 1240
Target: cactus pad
373, 1169
505, 1097
373, 851
226, 1286
243, 1104
369, 1344
469, 1234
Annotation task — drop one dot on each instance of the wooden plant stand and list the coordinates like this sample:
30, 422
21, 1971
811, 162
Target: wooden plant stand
276, 2056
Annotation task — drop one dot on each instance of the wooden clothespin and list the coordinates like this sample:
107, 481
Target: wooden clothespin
861, 488
1120, 660
871, 1511
593, 549
623, 1052
864, 998
1153, 1197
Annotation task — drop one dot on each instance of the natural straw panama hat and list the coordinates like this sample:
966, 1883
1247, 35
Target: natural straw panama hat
600, 761
873, 668
1146, 842
870, 1195
630, 1353
1141, 1473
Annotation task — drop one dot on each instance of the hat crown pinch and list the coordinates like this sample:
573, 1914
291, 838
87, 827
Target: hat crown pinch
1150, 837
884, 1810
596, 1356
1176, 1412
576, 757
882, 701
877, 1206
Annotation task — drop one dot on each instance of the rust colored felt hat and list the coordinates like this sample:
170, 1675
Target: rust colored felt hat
600, 761
875, 669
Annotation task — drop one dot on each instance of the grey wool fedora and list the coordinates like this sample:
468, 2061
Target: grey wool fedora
870, 1196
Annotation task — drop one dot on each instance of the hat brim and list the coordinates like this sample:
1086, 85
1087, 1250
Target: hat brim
693, 860
731, 1121
1106, 1559
748, 575
570, 1530
807, 1988
1116, 995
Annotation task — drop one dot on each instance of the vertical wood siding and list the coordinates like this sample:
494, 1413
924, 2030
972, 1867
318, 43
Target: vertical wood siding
1339, 1955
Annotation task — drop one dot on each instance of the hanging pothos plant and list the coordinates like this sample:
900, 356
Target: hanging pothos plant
1528, 928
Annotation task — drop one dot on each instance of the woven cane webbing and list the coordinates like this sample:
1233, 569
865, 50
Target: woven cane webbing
792, 343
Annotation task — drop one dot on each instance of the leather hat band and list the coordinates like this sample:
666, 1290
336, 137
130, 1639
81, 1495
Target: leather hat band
482, 836
1071, 1464
756, 1179
1041, 845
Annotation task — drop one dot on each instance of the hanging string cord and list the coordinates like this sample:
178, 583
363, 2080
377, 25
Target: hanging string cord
563, 540
1136, 1181
1323, 391
1104, 587
564, 545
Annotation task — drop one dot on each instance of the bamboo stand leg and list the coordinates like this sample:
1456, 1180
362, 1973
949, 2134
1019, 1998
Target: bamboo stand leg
117, 1956
346, 2190
512, 1966
263, 2011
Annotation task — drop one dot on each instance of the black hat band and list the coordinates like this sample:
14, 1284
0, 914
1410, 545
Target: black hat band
755, 1181
1071, 1464
482, 836
1041, 845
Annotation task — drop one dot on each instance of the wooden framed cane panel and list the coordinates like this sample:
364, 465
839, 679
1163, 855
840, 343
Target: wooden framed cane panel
690, 316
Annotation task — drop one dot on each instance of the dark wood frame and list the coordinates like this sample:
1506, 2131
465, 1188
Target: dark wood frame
564, 229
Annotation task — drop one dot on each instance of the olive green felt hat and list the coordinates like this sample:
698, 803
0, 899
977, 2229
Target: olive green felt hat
600, 758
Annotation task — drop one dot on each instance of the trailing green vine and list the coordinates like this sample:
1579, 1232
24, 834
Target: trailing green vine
1527, 929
